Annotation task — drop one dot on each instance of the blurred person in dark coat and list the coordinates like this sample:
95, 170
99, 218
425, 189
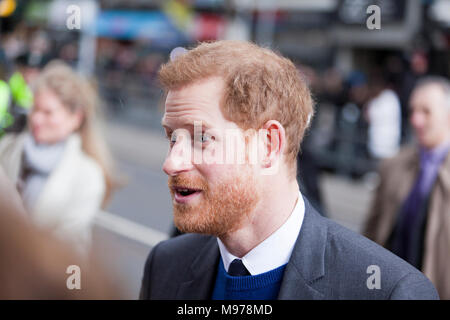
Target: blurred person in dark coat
418, 66
410, 211
33, 264
61, 164
251, 232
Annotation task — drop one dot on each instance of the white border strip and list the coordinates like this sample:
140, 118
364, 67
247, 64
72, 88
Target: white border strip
129, 229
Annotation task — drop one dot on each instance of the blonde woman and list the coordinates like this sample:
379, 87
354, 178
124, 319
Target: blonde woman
60, 164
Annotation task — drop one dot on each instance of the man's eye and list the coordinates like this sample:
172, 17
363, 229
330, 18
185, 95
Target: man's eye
204, 138
172, 139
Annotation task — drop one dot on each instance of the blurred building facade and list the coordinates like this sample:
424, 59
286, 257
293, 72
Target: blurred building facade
123, 43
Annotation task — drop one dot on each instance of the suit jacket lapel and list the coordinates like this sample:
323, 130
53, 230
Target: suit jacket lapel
408, 174
307, 262
202, 274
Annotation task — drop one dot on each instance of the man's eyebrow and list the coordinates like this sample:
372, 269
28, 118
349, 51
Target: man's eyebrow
163, 123
165, 126
187, 123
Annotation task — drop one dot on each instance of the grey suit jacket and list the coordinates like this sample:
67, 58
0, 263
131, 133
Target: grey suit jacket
328, 262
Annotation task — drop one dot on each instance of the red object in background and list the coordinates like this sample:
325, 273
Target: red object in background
208, 26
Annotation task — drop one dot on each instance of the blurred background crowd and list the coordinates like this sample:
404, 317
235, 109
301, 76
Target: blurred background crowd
361, 80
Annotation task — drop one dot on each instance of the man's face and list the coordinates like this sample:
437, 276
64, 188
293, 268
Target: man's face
429, 115
208, 196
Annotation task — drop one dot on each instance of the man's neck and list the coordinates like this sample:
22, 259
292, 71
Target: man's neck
442, 143
270, 215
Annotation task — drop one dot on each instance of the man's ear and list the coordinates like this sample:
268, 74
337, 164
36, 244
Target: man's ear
272, 137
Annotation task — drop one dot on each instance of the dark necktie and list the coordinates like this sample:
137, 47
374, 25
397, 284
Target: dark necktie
408, 227
237, 269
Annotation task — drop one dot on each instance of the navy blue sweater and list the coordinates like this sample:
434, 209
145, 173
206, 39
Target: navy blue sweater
264, 286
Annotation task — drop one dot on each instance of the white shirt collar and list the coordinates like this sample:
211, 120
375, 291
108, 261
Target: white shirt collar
274, 251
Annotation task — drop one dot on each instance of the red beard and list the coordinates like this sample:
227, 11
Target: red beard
221, 208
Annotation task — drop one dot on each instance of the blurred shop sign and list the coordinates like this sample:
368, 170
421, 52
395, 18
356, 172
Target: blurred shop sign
309, 5
154, 26
440, 12
208, 26
209, 4
180, 13
353, 12
400, 22
128, 4
301, 19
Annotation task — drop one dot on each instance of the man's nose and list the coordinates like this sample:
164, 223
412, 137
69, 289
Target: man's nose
179, 159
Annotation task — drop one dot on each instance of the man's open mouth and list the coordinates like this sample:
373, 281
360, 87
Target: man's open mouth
183, 194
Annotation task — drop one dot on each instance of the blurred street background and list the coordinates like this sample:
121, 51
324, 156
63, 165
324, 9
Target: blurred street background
121, 44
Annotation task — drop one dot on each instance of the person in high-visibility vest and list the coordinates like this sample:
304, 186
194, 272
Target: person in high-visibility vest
20, 91
16, 99
21, 101
5, 97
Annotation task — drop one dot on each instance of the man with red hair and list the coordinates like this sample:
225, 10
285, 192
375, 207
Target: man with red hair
235, 115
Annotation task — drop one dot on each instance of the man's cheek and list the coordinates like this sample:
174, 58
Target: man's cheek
213, 154
216, 174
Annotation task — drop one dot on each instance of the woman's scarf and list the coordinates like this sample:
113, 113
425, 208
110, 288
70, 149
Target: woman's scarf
39, 160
